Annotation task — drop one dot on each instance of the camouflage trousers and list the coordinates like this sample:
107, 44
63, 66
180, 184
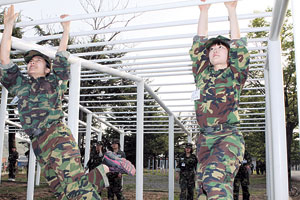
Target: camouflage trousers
58, 155
187, 185
115, 187
219, 156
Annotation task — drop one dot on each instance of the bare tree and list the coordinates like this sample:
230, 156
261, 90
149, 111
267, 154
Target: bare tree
95, 6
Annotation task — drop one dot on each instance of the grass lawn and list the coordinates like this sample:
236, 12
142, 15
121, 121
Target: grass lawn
155, 187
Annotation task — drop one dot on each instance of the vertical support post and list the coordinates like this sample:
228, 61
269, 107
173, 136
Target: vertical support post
88, 139
3, 107
31, 171
74, 94
122, 135
153, 162
279, 144
171, 157
38, 174
140, 140
296, 29
100, 134
268, 138
190, 138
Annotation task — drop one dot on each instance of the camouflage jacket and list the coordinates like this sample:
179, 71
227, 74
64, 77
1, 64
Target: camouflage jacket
187, 164
219, 90
39, 100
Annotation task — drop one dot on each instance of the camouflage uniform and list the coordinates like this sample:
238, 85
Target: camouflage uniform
187, 166
242, 178
220, 146
40, 110
115, 182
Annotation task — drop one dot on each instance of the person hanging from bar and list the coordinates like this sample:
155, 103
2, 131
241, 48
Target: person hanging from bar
40, 96
220, 67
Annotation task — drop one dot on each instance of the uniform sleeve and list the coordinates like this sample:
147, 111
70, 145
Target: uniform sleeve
11, 77
198, 55
61, 69
196, 162
61, 65
239, 59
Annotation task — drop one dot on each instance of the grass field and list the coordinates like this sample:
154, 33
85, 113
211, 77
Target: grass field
155, 187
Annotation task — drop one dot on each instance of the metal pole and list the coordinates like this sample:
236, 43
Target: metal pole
74, 95
171, 157
279, 145
88, 139
38, 174
268, 138
190, 138
2, 123
279, 11
140, 140
100, 134
10, 2
122, 141
153, 162
31, 171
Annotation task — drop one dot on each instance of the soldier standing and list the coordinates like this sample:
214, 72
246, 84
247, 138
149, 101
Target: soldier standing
40, 96
12, 159
220, 67
242, 178
115, 178
187, 164
96, 156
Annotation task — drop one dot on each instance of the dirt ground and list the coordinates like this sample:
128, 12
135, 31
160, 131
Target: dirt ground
155, 187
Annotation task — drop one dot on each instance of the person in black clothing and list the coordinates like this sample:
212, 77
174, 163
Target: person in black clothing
186, 166
97, 154
242, 178
12, 159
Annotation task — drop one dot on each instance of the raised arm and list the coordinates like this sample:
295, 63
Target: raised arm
234, 25
65, 36
203, 20
9, 20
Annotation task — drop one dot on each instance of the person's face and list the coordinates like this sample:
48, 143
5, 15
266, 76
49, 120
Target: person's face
99, 147
188, 150
218, 54
37, 67
115, 146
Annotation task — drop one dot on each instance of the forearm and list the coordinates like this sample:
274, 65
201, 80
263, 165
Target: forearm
234, 25
6, 45
64, 40
203, 23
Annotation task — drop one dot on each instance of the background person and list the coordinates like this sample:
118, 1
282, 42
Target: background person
242, 178
96, 157
12, 167
187, 164
115, 178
